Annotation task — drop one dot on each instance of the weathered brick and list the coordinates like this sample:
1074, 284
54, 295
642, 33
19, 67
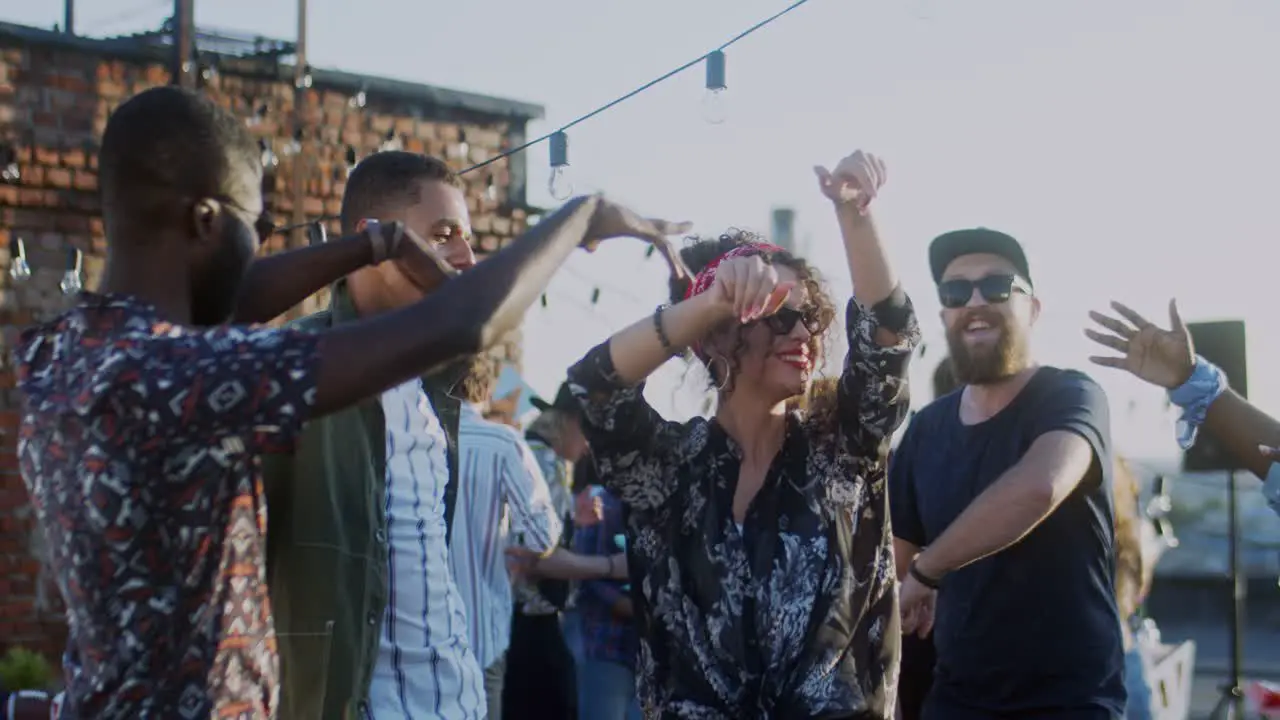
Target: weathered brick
58, 177
57, 105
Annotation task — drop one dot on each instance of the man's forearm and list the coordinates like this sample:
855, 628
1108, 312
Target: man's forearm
466, 315
1001, 516
1241, 427
567, 565
278, 282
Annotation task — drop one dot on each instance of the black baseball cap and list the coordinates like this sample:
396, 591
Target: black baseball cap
564, 402
949, 246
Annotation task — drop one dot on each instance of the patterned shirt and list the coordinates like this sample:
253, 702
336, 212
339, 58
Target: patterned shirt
604, 636
501, 490
547, 597
140, 444
794, 615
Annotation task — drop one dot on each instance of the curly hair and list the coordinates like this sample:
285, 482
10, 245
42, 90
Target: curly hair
480, 380
1133, 577
698, 253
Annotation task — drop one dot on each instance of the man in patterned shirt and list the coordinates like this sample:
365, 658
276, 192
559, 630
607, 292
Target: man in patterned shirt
144, 415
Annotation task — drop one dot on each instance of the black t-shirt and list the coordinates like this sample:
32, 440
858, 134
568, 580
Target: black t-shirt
1034, 627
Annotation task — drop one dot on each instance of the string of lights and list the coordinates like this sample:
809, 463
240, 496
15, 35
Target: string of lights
559, 185
714, 110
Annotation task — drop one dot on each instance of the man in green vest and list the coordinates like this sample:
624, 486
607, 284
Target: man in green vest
369, 621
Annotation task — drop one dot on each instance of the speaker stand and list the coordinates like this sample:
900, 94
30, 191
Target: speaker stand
1231, 701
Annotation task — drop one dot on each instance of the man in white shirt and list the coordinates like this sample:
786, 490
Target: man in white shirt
502, 494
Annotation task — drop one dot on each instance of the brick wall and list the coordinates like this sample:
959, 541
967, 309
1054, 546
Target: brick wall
54, 103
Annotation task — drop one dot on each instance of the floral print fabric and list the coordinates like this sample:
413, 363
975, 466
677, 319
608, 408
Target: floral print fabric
795, 615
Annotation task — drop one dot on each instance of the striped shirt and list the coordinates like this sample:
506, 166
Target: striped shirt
425, 667
501, 491
559, 476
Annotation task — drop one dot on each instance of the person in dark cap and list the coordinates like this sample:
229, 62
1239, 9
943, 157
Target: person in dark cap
1001, 501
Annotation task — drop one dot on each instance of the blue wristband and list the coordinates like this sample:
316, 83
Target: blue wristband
1271, 487
1206, 384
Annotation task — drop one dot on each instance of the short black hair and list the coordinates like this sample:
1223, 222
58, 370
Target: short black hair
389, 178
169, 142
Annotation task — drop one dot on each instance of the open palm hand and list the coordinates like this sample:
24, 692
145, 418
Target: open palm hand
1158, 356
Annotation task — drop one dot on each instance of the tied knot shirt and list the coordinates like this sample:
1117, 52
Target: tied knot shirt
794, 615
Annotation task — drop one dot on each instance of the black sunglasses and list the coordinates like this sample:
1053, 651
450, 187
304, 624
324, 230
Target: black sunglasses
993, 288
784, 321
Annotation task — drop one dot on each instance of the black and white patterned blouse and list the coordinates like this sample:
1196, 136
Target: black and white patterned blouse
795, 616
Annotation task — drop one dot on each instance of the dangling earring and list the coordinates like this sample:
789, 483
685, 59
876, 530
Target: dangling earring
724, 379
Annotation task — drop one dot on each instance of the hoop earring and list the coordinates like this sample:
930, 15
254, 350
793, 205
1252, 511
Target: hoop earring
724, 379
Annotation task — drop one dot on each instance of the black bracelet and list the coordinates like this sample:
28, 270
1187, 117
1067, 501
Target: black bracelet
662, 331
923, 579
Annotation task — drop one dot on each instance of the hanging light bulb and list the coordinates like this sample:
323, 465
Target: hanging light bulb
258, 115
19, 270
295, 143
269, 159
390, 142
209, 72
71, 278
9, 170
560, 185
317, 234
462, 150
359, 100
491, 189
714, 105
350, 159
304, 82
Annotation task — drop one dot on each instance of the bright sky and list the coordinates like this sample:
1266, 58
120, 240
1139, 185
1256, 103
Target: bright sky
1132, 145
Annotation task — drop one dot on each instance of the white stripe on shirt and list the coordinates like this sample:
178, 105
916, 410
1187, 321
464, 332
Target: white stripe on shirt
425, 666
500, 484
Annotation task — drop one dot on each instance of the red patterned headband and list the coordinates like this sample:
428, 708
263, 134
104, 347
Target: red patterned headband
707, 276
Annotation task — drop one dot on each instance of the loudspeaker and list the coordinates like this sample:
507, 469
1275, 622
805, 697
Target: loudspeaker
1223, 344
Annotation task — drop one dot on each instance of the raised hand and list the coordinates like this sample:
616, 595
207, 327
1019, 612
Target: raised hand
751, 287
1158, 356
855, 182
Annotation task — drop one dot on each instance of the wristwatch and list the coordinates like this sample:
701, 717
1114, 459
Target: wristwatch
923, 579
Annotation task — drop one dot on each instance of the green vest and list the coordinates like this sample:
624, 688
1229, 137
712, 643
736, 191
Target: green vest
327, 543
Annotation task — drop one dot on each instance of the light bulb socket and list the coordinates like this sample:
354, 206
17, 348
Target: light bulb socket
71, 282
559, 149
19, 270
268, 157
9, 170
317, 234
715, 70
350, 157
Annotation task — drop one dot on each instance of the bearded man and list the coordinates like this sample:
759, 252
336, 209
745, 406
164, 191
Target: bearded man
1000, 495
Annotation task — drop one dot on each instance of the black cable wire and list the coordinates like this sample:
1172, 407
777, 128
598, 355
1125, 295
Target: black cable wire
637, 91
125, 15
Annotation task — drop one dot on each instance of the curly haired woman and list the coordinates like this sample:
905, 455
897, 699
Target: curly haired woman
760, 545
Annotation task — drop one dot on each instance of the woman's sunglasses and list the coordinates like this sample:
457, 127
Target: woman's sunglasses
784, 321
993, 288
